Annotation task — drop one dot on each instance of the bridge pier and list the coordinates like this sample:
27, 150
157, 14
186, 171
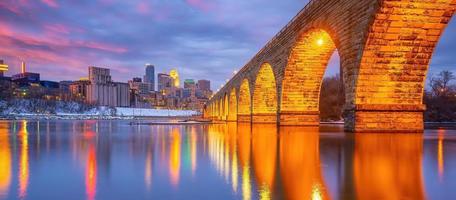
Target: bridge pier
264, 118
244, 118
288, 118
385, 118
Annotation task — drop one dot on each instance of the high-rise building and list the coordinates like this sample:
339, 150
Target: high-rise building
175, 76
138, 86
149, 78
99, 75
102, 91
204, 85
164, 82
189, 83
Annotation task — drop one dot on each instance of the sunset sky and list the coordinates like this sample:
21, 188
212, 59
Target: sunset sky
203, 39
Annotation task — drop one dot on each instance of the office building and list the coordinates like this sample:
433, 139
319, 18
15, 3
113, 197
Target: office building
149, 78
25, 79
204, 85
189, 83
78, 90
138, 86
165, 82
175, 76
102, 91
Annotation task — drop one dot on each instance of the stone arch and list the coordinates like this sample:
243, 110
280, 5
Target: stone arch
264, 104
244, 102
391, 75
218, 108
302, 79
232, 110
225, 106
221, 108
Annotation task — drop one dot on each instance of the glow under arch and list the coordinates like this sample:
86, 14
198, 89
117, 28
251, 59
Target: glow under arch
264, 104
303, 76
244, 102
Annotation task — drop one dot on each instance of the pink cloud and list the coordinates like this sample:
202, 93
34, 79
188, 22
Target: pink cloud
14, 7
143, 8
200, 4
50, 3
100, 46
49, 51
57, 28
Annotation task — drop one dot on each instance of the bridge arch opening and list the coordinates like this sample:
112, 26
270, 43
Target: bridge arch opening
219, 109
264, 102
440, 83
303, 76
232, 110
389, 87
225, 106
244, 102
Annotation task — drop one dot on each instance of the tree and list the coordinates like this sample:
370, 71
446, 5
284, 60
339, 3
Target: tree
441, 100
440, 84
332, 98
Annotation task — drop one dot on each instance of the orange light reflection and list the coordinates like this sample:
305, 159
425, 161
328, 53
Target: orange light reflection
388, 166
264, 150
175, 157
5, 162
300, 163
23, 161
91, 173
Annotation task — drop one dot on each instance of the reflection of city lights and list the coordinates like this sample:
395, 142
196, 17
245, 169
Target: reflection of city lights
91, 173
440, 158
24, 165
175, 156
5, 164
148, 170
193, 150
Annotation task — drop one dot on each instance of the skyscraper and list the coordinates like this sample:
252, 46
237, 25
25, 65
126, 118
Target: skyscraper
175, 76
149, 78
204, 85
164, 82
189, 83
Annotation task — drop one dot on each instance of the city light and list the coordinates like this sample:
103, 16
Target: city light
3, 67
320, 42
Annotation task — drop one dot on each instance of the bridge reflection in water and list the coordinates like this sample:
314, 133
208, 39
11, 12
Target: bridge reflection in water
111, 160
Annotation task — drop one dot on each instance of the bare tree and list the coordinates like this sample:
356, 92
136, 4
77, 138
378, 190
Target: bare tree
440, 84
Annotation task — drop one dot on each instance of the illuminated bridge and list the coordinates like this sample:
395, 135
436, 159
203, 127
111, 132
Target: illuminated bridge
385, 47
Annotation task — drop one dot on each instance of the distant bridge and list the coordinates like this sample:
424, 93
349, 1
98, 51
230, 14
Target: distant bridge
385, 47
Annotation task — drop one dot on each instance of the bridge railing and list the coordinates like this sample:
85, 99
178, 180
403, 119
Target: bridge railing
310, 3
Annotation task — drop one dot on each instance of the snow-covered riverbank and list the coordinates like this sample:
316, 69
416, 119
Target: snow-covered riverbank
26, 109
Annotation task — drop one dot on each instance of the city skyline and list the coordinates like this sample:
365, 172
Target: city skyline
204, 39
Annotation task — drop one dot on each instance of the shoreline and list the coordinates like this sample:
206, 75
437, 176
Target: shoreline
90, 117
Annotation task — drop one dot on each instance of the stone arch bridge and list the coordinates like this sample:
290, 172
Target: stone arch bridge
385, 47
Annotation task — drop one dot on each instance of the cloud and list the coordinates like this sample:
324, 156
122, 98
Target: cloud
143, 8
50, 3
200, 4
57, 28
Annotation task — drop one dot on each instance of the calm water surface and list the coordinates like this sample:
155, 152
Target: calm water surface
114, 160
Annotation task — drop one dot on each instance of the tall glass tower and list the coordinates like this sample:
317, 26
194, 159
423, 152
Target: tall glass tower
149, 78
